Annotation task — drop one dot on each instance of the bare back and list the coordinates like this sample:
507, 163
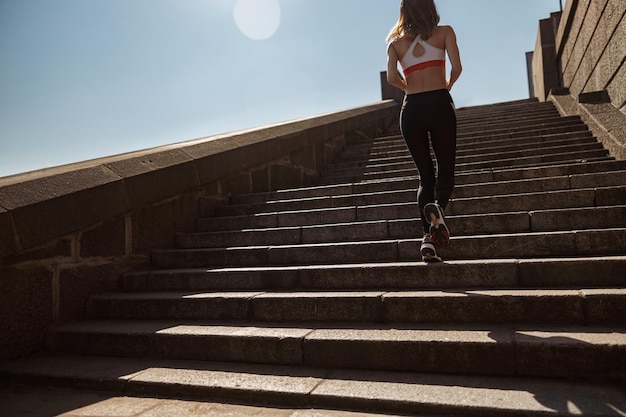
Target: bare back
427, 79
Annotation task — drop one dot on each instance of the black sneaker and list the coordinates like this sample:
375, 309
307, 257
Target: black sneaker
429, 251
438, 229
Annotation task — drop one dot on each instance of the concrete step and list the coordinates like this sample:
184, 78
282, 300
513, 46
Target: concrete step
603, 182
406, 393
519, 165
400, 154
553, 128
316, 295
580, 272
402, 205
529, 157
519, 129
465, 225
598, 306
589, 242
397, 149
485, 114
534, 117
547, 351
582, 176
537, 161
545, 127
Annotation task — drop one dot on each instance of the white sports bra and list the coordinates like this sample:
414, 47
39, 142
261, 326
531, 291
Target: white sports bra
432, 57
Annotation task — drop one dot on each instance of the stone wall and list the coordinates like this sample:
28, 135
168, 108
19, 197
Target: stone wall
72, 231
545, 69
586, 49
591, 46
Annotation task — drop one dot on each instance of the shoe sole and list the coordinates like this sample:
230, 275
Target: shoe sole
429, 254
438, 229
431, 259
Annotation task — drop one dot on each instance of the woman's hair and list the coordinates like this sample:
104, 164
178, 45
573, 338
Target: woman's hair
417, 18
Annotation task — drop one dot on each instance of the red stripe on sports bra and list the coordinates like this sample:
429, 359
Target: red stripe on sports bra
427, 64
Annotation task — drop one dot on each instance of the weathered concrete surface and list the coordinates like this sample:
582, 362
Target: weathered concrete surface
69, 232
42, 401
311, 391
606, 122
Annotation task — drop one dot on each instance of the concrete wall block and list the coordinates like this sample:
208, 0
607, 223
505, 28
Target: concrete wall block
333, 148
105, 240
25, 309
223, 156
305, 158
285, 176
209, 204
591, 50
603, 52
319, 156
335, 128
76, 283
315, 135
562, 32
616, 52
617, 87
51, 252
582, 58
260, 180
238, 183
156, 226
45, 208
8, 239
609, 126
172, 170
570, 41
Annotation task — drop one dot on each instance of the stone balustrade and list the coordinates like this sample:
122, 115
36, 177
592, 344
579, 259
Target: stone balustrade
69, 232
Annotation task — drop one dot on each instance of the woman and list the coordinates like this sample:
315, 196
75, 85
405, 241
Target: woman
419, 45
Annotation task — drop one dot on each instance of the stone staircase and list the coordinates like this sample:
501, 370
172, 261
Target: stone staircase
316, 297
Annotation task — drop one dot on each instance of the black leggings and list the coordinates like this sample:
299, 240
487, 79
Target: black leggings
423, 113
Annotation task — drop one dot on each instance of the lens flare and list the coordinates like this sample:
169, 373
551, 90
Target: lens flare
257, 19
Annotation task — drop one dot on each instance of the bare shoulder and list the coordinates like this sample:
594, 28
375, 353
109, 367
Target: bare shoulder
397, 46
448, 31
444, 30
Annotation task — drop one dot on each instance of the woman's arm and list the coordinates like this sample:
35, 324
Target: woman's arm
393, 78
455, 58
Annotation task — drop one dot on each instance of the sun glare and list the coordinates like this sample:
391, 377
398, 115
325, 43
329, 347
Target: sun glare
257, 19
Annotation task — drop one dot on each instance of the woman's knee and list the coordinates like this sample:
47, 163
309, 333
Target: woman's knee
445, 186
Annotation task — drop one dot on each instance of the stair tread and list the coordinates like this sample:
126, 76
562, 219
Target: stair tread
365, 200
381, 265
547, 234
277, 295
410, 333
347, 389
571, 169
360, 294
534, 221
511, 273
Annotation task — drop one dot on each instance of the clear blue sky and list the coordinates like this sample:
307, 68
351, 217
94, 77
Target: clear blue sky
82, 79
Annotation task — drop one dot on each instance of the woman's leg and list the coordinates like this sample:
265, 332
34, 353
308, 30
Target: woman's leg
443, 136
414, 127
